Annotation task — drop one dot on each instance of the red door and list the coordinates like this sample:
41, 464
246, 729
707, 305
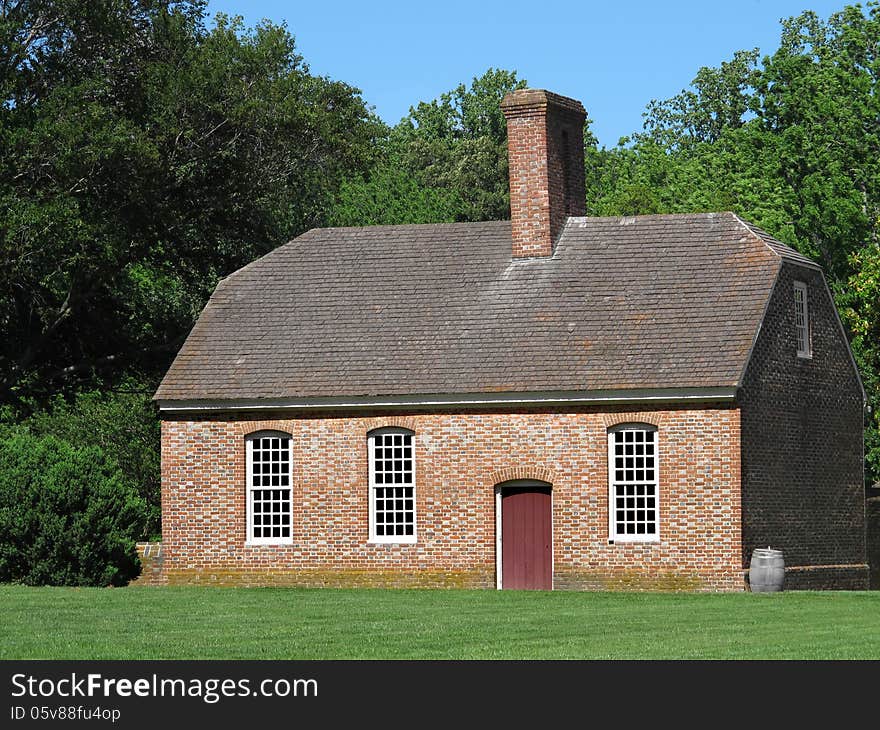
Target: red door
526, 538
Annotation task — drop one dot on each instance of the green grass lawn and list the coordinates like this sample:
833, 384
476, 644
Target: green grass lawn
278, 623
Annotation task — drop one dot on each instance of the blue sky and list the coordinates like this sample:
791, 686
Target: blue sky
613, 56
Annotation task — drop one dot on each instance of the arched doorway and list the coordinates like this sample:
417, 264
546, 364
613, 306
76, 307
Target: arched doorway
524, 535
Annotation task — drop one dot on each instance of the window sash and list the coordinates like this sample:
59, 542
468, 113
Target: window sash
633, 484
802, 320
392, 491
269, 496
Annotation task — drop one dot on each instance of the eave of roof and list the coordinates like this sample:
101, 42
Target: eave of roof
459, 400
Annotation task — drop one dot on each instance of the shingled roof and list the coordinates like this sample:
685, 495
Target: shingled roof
645, 302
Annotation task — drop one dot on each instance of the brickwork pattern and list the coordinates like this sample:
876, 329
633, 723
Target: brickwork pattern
826, 578
545, 149
802, 488
152, 559
873, 540
460, 458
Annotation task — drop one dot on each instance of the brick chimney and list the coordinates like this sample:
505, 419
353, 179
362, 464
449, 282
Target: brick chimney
545, 141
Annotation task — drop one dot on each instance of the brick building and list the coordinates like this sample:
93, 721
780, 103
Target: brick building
552, 401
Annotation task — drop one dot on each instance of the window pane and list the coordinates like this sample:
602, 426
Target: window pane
633, 482
270, 497
393, 507
801, 325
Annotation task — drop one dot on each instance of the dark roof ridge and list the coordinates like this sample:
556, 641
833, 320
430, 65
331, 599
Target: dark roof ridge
401, 226
650, 216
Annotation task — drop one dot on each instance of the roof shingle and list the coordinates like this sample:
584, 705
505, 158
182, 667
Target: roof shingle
664, 301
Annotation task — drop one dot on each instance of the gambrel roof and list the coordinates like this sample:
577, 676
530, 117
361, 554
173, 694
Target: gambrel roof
624, 304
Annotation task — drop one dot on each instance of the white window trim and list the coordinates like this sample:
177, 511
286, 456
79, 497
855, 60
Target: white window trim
613, 537
371, 460
808, 352
249, 445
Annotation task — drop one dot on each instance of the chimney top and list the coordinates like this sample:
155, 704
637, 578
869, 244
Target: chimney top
528, 99
545, 150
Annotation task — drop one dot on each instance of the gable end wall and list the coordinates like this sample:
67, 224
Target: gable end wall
802, 468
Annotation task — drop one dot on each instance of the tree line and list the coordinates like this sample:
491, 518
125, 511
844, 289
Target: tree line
146, 151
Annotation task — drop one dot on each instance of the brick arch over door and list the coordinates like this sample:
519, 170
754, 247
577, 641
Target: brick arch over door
529, 471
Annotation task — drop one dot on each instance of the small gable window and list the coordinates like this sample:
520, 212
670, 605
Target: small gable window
392, 485
802, 320
269, 488
633, 483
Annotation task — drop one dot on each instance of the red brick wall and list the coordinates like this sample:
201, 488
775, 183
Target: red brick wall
459, 459
545, 148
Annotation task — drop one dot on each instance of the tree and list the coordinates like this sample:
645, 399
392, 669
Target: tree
718, 102
144, 157
390, 195
860, 309
445, 161
121, 423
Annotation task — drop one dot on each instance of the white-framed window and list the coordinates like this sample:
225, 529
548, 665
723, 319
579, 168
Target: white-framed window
633, 474
392, 485
269, 488
802, 320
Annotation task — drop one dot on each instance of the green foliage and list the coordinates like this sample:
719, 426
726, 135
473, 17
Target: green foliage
66, 515
389, 195
718, 101
859, 301
445, 161
144, 157
817, 99
122, 424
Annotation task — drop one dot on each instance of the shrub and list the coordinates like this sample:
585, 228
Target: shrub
67, 516
122, 424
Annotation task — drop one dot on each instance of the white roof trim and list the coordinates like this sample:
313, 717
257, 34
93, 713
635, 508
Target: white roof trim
596, 397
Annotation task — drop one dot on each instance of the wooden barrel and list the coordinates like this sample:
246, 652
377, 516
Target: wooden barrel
766, 571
